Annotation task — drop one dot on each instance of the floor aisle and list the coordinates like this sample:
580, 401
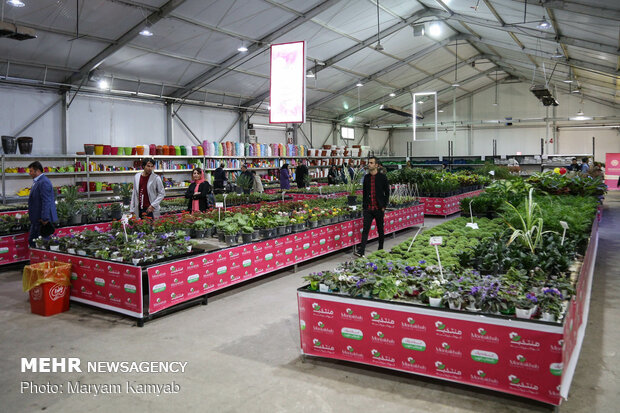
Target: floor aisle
243, 353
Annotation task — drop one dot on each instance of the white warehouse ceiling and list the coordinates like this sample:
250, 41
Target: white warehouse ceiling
192, 54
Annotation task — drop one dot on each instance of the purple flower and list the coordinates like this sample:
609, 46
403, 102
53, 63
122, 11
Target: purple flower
474, 290
422, 262
187, 238
361, 282
531, 297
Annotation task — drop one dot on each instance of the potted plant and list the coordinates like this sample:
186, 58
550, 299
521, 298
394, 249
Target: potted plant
245, 183
116, 211
435, 293
551, 304
246, 233
220, 230
200, 227
126, 190
64, 213
231, 230
526, 305
281, 222
209, 225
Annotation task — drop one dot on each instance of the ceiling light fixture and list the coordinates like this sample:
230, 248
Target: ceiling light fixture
378, 47
544, 24
440, 111
310, 73
242, 49
359, 84
569, 77
392, 94
557, 54
146, 32
103, 84
16, 3
350, 119
434, 29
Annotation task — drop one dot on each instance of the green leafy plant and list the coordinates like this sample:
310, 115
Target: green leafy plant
531, 230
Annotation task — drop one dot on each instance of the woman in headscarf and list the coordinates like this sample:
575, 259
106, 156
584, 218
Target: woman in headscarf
285, 177
198, 192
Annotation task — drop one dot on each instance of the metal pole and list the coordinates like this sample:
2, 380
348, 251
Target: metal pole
189, 130
169, 124
36, 118
64, 140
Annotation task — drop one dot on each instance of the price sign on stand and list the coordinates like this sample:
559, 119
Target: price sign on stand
564, 225
219, 206
125, 221
283, 192
471, 224
436, 242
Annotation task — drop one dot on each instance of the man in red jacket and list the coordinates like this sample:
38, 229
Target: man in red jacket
374, 201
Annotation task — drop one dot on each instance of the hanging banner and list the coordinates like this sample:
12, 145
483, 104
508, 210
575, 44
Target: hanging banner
287, 94
612, 170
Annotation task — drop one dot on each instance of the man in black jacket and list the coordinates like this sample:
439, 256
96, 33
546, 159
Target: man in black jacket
219, 178
374, 201
301, 174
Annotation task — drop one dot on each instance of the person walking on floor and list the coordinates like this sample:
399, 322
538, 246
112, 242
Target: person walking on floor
285, 177
376, 195
257, 184
219, 178
332, 175
584, 168
148, 191
41, 204
198, 192
301, 174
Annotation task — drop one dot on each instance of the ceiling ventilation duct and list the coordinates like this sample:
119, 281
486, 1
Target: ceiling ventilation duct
12, 31
544, 95
400, 111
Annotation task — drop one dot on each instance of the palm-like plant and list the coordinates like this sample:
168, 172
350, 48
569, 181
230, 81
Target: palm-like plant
352, 183
531, 230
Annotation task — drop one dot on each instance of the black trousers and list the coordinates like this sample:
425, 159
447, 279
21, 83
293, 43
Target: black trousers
35, 229
369, 216
144, 214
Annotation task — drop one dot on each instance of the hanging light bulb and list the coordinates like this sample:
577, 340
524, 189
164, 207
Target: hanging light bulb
544, 24
569, 78
16, 3
392, 94
378, 47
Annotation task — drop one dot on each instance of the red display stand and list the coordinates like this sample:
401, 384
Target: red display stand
49, 299
13, 248
101, 283
531, 359
446, 206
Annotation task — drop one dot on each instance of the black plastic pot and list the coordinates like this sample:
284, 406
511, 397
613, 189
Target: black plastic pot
9, 144
25, 145
246, 237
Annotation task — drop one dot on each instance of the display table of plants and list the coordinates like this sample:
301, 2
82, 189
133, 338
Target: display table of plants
506, 309
260, 241
440, 191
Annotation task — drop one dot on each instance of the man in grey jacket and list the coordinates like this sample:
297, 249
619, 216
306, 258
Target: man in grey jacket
148, 191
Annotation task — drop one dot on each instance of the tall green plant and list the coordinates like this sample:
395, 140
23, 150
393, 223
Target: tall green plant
352, 184
531, 230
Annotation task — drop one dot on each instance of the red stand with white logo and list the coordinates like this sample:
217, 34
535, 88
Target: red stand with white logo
179, 281
531, 359
448, 205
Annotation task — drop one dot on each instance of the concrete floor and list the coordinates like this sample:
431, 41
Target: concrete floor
243, 353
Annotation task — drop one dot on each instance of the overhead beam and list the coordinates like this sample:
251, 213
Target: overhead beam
153, 18
451, 88
606, 13
354, 49
537, 53
409, 88
388, 69
253, 50
525, 31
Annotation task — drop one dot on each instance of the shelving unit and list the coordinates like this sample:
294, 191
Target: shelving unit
88, 167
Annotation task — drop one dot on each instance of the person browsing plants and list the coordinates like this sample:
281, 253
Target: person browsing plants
148, 191
375, 198
41, 204
198, 192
